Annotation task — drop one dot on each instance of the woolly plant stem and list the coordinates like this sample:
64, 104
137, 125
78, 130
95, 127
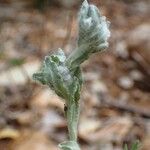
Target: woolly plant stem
72, 114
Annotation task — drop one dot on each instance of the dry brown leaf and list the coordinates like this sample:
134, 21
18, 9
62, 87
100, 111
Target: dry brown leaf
9, 133
113, 130
33, 141
47, 98
87, 127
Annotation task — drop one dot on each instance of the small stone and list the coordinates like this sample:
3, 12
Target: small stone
98, 87
90, 76
121, 50
136, 75
125, 82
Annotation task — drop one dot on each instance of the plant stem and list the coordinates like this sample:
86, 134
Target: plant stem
72, 119
77, 57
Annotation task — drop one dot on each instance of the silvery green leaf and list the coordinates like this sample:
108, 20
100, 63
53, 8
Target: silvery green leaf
93, 34
69, 145
58, 77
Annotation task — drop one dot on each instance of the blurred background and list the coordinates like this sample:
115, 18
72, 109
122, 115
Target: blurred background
115, 101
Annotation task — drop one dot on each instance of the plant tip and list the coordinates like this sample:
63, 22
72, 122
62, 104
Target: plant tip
85, 3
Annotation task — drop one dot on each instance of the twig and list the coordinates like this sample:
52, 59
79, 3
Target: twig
68, 28
126, 107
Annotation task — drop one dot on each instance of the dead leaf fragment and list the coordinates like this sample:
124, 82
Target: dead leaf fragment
33, 141
9, 133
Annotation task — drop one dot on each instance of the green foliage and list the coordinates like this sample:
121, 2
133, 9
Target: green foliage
135, 146
63, 75
58, 77
16, 61
2, 55
69, 145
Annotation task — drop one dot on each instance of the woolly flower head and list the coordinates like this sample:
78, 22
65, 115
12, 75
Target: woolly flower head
93, 28
93, 34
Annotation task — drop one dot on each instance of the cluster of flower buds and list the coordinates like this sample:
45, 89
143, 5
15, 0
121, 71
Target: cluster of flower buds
93, 34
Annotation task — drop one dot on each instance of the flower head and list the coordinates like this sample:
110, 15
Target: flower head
93, 34
93, 28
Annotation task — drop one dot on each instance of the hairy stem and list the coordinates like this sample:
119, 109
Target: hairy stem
72, 113
78, 56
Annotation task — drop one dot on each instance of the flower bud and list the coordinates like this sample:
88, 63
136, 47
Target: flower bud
93, 28
93, 34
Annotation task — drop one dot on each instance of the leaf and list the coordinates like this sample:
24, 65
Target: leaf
125, 147
69, 145
54, 73
135, 146
9, 133
16, 61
